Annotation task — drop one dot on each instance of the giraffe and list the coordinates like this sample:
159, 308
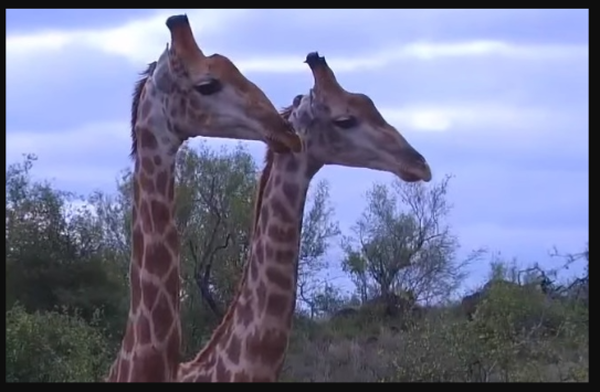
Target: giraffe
338, 128
182, 95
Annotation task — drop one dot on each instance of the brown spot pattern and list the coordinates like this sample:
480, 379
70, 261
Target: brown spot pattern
285, 256
277, 304
212, 359
161, 215
151, 369
123, 368
147, 139
162, 182
235, 349
158, 259
264, 217
261, 379
149, 295
268, 347
172, 282
291, 192
221, 371
171, 190
142, 330
137, 243
148, 165
147, 184
259, 251
172, 238
146, 106
136, 190
203, 378
269, 250
174, 352
241, 377
245, 313
161, 313
292, 165
253, 270
280, 234
261, 295
129, 339
136, 287
280, 211
279, 279
146, 217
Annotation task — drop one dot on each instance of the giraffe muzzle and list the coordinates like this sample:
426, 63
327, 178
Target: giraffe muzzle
415, 167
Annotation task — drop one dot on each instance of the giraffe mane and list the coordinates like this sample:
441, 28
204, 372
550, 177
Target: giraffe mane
266, 172
135, 104
262, 182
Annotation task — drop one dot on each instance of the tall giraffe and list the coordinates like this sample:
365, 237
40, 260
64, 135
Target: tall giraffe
182, 95
338, 128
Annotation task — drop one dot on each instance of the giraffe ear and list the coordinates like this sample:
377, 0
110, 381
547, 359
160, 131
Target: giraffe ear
162, 75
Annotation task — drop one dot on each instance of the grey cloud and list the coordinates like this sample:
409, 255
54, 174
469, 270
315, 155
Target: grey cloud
27, 20
529, 176
524, 199
75, 87
345, 31
474, 78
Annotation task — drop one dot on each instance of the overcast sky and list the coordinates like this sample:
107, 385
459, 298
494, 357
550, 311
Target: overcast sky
499, 98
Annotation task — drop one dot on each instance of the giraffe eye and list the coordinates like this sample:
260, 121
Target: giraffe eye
209, 87
345, 122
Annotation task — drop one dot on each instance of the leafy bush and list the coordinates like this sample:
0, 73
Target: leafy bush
513, 337
52, 347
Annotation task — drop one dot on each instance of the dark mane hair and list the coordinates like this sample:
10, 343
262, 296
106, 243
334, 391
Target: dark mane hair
285, 112
266, 172
135, 104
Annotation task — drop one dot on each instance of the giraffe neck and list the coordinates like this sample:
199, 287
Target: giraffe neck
251, 342
151, 345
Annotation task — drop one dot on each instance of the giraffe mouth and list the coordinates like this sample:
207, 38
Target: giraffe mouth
409, 177
420, 173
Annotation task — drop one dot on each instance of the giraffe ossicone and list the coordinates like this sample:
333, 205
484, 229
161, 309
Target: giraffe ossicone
338, 128
184, 94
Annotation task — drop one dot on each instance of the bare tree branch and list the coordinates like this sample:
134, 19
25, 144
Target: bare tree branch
203, 264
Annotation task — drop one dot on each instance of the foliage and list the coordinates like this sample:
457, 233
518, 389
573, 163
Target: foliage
53, 347
67, 261
56, 254
512, 338
405, 249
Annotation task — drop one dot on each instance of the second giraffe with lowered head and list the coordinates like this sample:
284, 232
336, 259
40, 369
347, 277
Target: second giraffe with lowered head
338, 128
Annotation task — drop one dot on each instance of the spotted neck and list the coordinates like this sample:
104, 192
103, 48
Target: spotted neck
250, 343
151, 345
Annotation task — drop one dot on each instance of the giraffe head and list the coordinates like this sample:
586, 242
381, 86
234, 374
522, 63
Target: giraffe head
344, 128
202, 95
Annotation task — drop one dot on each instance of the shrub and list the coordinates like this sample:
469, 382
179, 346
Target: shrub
514, 336
53, 347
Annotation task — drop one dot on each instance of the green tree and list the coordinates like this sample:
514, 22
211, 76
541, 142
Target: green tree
53, 347
55, 251
402, 243
318, 231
